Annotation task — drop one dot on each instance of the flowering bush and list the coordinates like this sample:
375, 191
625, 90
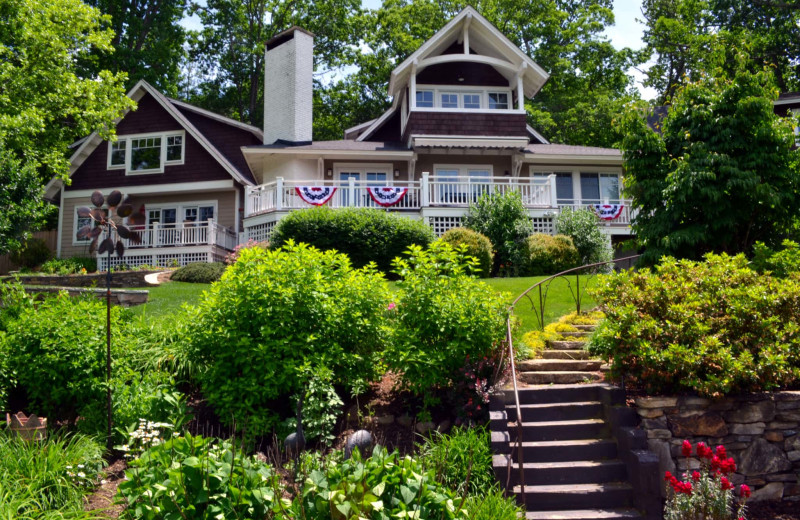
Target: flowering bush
233, 256
706, 494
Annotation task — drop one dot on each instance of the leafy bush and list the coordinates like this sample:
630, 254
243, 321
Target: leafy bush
462, 460
47, 479
547, 254
273, 313
477, 245
199, 272
233, 256
778, 263
443, 318
363, 234
712, 327
32, 254
321, 406
72, 265
582, 227
196, 478
504, 220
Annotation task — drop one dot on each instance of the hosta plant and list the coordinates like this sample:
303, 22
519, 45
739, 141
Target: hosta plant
707, 493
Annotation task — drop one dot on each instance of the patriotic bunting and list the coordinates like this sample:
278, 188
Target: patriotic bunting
315, 195
608, 211
386, 195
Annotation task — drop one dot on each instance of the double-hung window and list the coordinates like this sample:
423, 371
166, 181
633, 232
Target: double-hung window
148, 153
472, 100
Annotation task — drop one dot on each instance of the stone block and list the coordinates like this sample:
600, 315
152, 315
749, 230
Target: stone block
705, 425
700, 402
656, 402
788, 405
761, 411
655, 424
789, 416
791, 490
762, 458
781, 425
748, 428
722, 405
662, 450
384, 419
684, 463
793, 456
773, 436
792, 443
781, 477
659, 434
772, 491
649, 413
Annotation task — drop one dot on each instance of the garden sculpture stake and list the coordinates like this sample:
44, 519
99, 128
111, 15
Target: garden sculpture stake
103, 223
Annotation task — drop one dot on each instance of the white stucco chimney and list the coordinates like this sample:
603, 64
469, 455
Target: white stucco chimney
288, 85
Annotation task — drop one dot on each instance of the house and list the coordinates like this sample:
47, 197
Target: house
456, 129
788, 104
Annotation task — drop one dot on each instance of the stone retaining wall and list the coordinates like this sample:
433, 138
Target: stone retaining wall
123, 297
119, 279
760, 431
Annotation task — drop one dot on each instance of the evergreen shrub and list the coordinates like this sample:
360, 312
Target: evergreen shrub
547, 254
199, 272
504, 220
363, 234
582, 226
478, 246
713, 327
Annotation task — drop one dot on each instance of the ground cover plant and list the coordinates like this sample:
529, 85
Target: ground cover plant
711, 327
364, 234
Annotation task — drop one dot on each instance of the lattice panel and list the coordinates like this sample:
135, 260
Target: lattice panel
543, 225
260, 232
157, 260
441, 224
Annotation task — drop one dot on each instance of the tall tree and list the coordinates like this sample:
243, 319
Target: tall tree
148, 41
720, 176
44, 104
228, 53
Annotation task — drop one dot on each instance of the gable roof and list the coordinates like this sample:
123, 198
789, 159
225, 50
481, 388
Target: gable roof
86, 146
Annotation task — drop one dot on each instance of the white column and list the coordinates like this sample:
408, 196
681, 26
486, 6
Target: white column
351, 188
412, 94
279, 193
248, 203
553, 194
156, 238
424, 189
211, 232
520, 94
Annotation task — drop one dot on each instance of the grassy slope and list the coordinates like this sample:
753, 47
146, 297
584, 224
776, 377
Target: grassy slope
168, 298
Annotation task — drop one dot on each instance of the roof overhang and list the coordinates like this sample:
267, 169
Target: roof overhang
477, 142
256, 155
579, 160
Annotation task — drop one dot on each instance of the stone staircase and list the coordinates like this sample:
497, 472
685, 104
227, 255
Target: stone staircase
563, 362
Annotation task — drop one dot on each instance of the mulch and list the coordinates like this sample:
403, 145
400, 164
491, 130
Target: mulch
103, 498
773, 510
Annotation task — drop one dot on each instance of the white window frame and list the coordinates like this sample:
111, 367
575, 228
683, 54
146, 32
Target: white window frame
509, 99
164, 136
461, 90
362, 169
180, 209
576, 172
420, 90
463, 169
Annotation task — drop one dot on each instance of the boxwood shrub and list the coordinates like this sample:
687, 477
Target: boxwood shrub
199, 272
476, 244
364, 234
712, 327
274, 313
547, 254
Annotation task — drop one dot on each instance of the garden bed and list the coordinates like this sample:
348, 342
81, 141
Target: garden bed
133, 279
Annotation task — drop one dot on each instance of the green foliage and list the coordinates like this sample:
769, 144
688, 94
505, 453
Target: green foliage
548, 255
720, 176
494, 505
199, 272
72, 265
33, 253
443, 318
322, 406
713, 327
478, 246
504, 220
21, 195
272, 313
462, 460
47, 479
365, 235
778, 263
582, 227
196, 478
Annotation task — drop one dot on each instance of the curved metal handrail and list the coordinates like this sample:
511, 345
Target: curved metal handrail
510, 341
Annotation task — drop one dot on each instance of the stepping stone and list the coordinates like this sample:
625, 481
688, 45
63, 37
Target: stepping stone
566, 345
579, 334
544, 365
558, 377
565, 354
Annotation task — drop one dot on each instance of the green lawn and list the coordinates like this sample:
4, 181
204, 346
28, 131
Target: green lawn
168, 298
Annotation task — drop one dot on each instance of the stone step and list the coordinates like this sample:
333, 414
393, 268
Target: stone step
554, 451
558, 394
566, 345
562, 430
584, 327
565, 354
556, 411
578, 334
558, 377
562, 497
584, 514
570, 472
548, 365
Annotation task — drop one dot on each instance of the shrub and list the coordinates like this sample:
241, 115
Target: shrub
494, 505
443, 318
548, 254
233, 256
196, 478
199, 272
504, 220
462, 460
477, 245
32, 254
73, 265
582, 226
712, 327
273, 313
321, 406
363, 234
778, 263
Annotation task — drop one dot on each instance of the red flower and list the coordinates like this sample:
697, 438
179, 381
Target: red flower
703, 451
744, 491
695, 475
687, 448
725, 484
722, 453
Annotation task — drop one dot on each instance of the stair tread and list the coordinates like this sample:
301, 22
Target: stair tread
558, 371
552, 405
574, 422
583, 513
575, 488
564, 444
577, 464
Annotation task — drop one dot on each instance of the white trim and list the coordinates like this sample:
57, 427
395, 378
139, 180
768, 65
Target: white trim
362, 169
222, 119
788, 101
60, 225
573, 159
75, 241
111, 144
377, 123
164, 136
451, 141
181, 207
483, 91
399, 155
472, 58
536, 134
236, 205
161, 189
463, 169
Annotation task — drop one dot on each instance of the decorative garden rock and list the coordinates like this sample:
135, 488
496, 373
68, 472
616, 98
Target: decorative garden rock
405, 420
656, 402
362, 439
772, 491
763, 457
706, 425
294, 443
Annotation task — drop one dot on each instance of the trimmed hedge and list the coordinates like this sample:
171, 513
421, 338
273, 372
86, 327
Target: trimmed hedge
365, 235
713, 327
199, 272
547, 254
478, 245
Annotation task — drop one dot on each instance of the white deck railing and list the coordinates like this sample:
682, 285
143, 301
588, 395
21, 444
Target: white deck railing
184, 234
623, 219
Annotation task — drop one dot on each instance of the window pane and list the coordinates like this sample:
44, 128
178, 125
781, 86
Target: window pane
449, 100
190, 214
376, 176
206, 212
425, 98
480, 177
609, 187
175, 148
82, 222
169, 216
118, 153
472, 101
153, 216
590, 188
564, 193
145, 154
498, 100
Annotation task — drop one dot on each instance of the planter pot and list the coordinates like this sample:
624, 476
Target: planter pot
28, 428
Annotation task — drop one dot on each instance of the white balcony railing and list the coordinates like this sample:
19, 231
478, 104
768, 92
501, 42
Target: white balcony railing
184, 234
623, 219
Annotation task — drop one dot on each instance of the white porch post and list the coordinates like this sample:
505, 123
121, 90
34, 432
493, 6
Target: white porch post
413, 86
156, 237
553, 194
351, 188
278, 193
211, 232
248, 202
424, 188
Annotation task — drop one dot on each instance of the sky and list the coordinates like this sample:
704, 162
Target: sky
626, 32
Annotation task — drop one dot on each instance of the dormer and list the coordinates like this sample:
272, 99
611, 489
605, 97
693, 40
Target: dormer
467, 81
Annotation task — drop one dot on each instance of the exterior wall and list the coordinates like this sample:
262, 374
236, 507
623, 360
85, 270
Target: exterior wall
289, 168
225, 214
330, 164
760, 431
426, 162
463, 123
288, 86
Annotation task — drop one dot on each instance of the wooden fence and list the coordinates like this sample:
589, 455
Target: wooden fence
50, 238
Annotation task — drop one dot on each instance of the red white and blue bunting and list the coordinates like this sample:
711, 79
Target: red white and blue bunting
386, 195
315, 195
608, 211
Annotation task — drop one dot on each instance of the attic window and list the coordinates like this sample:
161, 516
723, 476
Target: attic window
117, 157
425, 98
498, 100
146, 153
